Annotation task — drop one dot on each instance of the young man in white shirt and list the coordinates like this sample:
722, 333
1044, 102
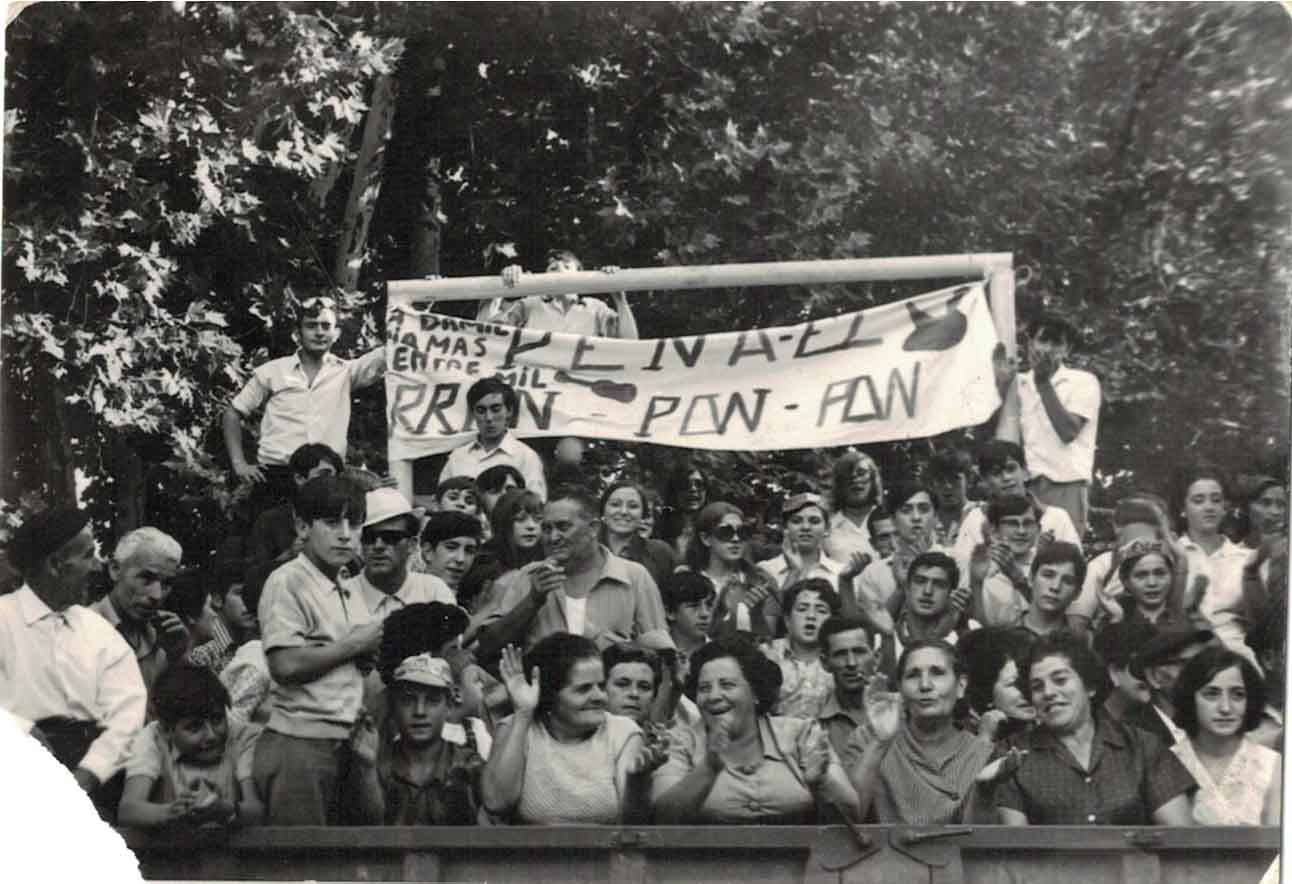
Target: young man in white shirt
306, 398
1058, 416
493, 405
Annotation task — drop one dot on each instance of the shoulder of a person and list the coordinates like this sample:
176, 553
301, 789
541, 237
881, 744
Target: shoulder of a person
620, 727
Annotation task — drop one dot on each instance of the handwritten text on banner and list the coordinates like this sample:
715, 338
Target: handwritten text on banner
904, 370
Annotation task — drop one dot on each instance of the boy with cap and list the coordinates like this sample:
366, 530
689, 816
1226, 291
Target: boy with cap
315, 634
1058, 417
63, 668
191, 766
419, 768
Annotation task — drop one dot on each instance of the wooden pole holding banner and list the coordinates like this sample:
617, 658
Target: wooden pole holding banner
995, 267
714, 276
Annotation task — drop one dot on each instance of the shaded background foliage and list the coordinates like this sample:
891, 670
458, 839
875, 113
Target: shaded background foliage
175, 173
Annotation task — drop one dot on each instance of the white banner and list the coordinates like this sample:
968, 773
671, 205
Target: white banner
905, 370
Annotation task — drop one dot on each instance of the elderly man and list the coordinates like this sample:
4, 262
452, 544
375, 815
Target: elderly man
581, 588
64, 669
143, 570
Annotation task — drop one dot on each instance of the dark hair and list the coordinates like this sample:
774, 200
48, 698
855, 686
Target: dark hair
491, 480
1052, 326
903, 490
556, 656
957, 663
447, 524
841, 477
483, 571
993, 455
617, 486
1073, 648
1201, 669
763, 675
934, 559
682, 587
626, 652
1012, 505
1185, 477
253, 584
455, 483
487, 387
841, 623
946, 464
188, 595
420, 628
310, 455
1243, 525
225, 573
1116, 643
183, 690
1057, 552
678, 481
1137, 509
985, 652
506, 512
878, 514
697, 554
820, 586
330, 497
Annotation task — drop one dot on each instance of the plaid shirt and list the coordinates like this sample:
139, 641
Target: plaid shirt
1132, 773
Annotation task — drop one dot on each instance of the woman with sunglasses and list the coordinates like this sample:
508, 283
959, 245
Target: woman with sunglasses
685, 494
622, 507
856, 491
720, 553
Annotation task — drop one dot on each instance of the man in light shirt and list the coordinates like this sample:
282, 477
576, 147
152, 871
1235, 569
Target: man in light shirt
388, 536
64, 670
306, 398
1058, 416
493, 404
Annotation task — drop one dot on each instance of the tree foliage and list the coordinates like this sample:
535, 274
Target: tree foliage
175, 173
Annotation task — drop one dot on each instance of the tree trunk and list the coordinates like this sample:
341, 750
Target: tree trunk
366, 185
426, 226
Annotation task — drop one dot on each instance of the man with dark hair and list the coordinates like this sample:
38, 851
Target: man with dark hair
493, 405
582, 588
1158, 664
64, 671
450, 541
305, 396
689, 602
1004, 470
847, 655
1057, 572
1004, 590
273, 536
1058, 417
316, 637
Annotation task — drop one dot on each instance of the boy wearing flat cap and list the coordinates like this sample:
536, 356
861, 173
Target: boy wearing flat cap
1158, 664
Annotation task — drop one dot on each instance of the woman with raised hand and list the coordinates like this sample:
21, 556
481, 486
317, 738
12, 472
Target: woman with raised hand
1220, 698
623, 506
744, 765
1081, 767
720, 552
910, 761
561, 758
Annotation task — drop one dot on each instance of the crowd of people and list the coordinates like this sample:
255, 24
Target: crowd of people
514, 650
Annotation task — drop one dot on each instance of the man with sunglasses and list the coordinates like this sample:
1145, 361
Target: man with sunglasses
306, 398
388, 536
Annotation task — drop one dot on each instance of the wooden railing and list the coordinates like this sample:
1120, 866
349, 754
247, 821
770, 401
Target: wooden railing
745, 854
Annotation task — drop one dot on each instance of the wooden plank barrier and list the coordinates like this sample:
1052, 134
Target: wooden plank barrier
689, 855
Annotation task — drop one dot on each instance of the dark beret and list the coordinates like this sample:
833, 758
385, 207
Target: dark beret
43, 534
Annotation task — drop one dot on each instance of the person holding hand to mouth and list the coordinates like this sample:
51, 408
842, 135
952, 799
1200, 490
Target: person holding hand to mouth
1220, 697
742, 764
1083, 768
805, 682
582, 588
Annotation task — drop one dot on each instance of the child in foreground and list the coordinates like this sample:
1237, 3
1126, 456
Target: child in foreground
192, 766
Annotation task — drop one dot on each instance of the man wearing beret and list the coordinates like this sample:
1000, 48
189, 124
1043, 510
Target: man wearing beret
1158, 664
65, 670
